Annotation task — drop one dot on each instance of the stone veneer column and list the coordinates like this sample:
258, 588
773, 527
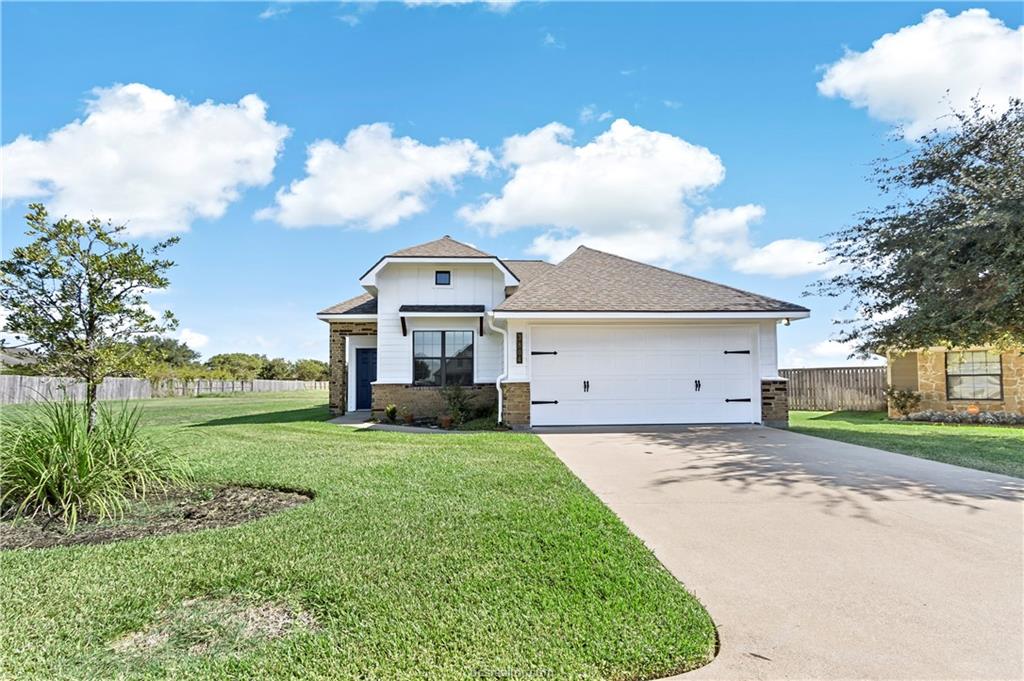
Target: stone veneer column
515, 404
339, 332
775, 402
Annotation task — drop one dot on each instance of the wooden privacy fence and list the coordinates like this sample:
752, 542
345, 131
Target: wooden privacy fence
836, 388
21, 389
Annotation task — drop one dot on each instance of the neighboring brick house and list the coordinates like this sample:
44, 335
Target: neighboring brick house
595, 339
956, 380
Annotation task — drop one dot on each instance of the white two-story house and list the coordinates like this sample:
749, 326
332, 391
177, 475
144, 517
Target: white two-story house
595, 339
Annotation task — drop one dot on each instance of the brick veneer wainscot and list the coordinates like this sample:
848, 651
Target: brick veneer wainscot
515, 404
426, 401
775, 402
338, 393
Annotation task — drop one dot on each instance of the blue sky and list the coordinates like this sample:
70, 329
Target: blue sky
720, 129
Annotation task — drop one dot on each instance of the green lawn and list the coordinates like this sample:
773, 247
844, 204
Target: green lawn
988, 448
421, 556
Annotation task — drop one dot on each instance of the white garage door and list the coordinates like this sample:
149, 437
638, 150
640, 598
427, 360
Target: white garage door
586, 375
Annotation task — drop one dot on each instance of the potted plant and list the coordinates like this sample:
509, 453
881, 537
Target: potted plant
445, 421
407, 416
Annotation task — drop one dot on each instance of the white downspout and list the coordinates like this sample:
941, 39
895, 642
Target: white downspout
504, 359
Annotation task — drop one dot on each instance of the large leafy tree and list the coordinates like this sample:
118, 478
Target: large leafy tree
169, 351
277, 369
238, 365
311, 370
942, 263
75, 295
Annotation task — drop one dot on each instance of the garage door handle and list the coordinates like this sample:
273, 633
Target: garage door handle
545, 401
544, 352
737, 399
737, 352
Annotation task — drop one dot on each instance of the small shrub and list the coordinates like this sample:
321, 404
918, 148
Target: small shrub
903, 401
391, 413
458, 402
50, 463
406, 415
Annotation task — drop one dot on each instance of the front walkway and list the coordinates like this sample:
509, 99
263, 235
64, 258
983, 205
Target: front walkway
819, 559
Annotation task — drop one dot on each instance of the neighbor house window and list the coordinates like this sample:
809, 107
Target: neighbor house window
442, 278
974, 375
442, 358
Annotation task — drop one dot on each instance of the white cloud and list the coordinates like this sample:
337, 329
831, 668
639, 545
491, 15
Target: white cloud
147, 158
274, 11
499, 6
549, 40
904, 76
786, 258
724, 232
826, 353
193, 339
630, 191
350, 19
372, 179
671, 104
590, 113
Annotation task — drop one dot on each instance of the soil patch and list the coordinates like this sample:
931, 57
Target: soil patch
212, 626
173, 512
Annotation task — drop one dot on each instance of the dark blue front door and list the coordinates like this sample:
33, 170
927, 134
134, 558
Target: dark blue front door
366, 373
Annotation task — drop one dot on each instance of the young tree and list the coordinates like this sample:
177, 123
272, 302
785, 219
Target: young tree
76, 296
943, 262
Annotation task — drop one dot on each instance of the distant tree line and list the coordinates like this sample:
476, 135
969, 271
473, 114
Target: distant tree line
160, 358
172, 358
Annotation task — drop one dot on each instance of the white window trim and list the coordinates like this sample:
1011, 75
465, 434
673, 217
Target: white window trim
451, 279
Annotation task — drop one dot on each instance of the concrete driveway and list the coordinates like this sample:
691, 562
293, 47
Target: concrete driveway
819, 559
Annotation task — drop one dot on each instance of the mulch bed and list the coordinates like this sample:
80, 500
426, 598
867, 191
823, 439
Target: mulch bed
170, 513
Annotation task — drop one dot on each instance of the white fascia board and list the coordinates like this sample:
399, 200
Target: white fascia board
370, 278
341, 317
667, 316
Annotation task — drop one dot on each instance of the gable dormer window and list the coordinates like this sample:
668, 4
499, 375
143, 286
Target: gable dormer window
442, 278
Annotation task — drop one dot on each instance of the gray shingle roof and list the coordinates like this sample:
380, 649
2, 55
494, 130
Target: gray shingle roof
445, 247
594, 281
525, 270
361, 304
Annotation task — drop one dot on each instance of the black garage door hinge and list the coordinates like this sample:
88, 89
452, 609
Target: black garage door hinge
737, 399
543, 401
544, 352
736, 352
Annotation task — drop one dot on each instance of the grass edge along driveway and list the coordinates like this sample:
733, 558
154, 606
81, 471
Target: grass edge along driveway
465, 556
996, 449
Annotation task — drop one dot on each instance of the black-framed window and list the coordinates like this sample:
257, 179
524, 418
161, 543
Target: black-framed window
442, 278
442, 358
974, 375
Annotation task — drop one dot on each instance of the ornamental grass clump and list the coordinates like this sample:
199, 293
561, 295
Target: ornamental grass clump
52, 465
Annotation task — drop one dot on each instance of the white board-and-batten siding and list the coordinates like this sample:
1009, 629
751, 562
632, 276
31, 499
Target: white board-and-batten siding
412, 284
